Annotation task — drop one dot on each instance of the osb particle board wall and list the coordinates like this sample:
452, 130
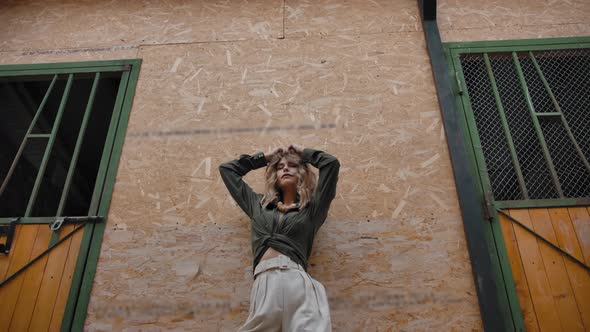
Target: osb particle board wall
221, 78
461, 20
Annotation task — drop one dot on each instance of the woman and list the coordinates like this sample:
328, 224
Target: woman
284, 222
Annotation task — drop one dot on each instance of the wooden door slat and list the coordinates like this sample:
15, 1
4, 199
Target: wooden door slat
65, 283
50, 283
522, 288
579, 278
555, 269
581, 220
535, 273
9, 293
32, 280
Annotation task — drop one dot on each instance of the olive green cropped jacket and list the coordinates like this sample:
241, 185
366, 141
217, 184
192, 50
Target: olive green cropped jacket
294, 235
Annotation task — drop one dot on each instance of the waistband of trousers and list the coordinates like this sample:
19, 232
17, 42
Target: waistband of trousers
281, 262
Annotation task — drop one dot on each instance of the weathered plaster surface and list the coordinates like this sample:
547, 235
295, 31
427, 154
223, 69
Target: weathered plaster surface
461, 20
393, 231
88, 23
220, 78
66, 55
305, 18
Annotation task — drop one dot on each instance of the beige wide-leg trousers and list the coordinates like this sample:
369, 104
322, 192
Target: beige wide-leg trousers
285, 298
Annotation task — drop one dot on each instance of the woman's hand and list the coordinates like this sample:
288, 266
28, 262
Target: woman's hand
269, 155
295, 148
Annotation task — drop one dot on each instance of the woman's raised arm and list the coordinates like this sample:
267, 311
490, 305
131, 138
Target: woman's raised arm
232, 173
329, 168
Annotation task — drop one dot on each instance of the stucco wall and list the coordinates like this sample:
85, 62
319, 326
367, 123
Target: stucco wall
221, 78
461, 20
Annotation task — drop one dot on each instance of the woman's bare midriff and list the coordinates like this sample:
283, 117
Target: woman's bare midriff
270, 252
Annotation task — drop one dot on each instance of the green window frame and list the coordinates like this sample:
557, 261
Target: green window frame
79, 296
454, 53
506, 290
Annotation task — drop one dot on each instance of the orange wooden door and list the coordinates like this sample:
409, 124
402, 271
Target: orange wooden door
35, 299
62, 162
553, 291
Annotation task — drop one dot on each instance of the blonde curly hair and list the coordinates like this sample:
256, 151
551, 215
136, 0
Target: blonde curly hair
305, 186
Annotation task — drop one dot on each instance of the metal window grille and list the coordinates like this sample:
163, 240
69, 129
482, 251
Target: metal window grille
54, 128
532, 112
62, 127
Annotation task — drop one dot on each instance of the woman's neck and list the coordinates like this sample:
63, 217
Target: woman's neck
289, 197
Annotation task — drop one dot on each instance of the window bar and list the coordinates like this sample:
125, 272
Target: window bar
27, 135
548, 114
506, 128
49, 147
559, 112
38, 136
536, 124
77, 277
75, 155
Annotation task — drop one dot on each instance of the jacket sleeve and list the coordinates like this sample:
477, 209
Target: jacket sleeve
232, 173
329, 167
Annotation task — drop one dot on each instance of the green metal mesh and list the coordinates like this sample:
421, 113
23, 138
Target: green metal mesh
568, 75
493, 142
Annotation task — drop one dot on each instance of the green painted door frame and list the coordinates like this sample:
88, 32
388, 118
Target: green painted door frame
79, 295
492, 300
453, 52
502, 271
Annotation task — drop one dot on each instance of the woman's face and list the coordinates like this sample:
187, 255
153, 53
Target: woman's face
287, 175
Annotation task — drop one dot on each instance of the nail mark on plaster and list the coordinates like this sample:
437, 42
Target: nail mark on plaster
430, 114
193, 76
201, 102
438, 201
176, 64
266, 111
408, 192
430, 161
228, 56
156, 197
398, 209
432, 125
207, 164
244, 75
385, 189
202, 202
268, 123
183, 32
345, 204
345, 82
175, 207
200, 180
274, 92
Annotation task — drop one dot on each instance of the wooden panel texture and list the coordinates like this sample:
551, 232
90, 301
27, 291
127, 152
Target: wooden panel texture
553, 291
35, 300
461, 20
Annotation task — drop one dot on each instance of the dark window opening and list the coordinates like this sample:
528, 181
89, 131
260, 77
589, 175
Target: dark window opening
542, 149
20, 97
